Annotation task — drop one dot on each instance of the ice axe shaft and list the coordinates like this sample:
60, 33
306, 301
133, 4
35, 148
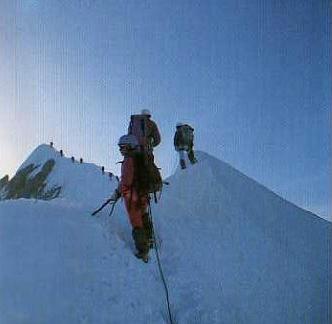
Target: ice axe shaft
102, 206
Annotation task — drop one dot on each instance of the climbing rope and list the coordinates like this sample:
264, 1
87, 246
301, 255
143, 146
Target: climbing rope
159, 263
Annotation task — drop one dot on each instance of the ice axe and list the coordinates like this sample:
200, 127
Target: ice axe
104, 205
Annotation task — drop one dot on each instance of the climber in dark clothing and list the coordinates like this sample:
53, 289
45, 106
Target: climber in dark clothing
184, 142
146, 132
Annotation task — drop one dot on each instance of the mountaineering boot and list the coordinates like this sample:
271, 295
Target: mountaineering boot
143, 256
148, 229
182, 164
193, 161
151, 243
141, 243
191, 157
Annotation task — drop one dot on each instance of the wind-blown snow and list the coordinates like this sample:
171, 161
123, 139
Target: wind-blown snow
232, 252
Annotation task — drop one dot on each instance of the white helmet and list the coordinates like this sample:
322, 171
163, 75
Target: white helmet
146, 112
179, 124
128, 140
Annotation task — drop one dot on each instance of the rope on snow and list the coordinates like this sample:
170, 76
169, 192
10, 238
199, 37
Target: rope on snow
159, 265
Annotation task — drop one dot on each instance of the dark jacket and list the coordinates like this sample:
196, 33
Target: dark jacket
180, 143
153, 133
148, 135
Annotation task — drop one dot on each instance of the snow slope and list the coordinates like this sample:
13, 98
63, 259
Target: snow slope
259, 258
232, 252
80, 183
58, 265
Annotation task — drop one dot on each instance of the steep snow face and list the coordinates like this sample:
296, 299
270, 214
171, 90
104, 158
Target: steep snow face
256, 257
231, 250
81, 183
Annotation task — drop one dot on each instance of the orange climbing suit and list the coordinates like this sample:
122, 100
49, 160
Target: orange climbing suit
136, 205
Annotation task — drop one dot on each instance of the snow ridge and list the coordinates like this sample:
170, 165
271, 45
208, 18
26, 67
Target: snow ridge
232, 252
82, 183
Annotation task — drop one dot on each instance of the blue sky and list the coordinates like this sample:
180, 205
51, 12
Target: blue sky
252, 77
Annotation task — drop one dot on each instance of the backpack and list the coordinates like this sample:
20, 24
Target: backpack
147, 177
138, 127
156, 182
186, 135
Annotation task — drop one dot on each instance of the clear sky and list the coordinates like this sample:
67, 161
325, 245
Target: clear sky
253, 78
